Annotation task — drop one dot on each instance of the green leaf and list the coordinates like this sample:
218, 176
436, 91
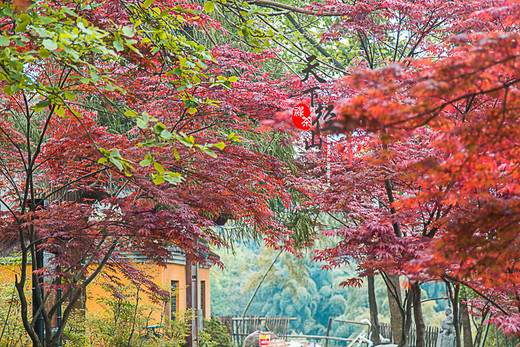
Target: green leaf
118, 46
4, 41
209, 6
25, 19
147, 3
41, 32
69, 96
165, 134
102, 160
76, 113
234, 137
145, 162
159, 168
141, 124
117, 163
220, 145
158, 179
173, 178
159, 127
208, 152
8, 90
41, 105
128, 31
43, 53
60, 111
115, 153
177, 71
184, 141
176, 154
94, 76
130, 113
50, 45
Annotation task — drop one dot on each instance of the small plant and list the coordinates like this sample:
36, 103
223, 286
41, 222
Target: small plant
174, 332
12, 332
215, 334
120, 324
205, 340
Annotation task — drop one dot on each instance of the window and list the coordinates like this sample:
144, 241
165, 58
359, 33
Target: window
174, 298
203, 298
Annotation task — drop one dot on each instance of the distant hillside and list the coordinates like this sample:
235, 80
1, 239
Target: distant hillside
300, 288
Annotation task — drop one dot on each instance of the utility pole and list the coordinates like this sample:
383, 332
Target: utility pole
192, 306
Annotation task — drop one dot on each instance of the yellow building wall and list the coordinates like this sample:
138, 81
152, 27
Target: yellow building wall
8, 273
162, 277
174, 272
204, 276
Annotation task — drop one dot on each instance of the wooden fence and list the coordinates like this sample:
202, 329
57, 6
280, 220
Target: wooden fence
430, 337
240, 328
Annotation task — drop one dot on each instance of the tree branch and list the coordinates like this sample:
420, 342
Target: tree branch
294, 8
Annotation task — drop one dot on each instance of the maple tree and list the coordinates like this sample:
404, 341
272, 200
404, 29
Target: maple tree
456, 192
427, 169
115, 115
119, 135
365, 187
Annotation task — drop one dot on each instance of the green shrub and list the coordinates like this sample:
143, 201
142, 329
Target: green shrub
215, 334
12, 332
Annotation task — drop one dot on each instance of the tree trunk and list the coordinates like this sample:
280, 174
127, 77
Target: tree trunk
420, 327
394, 302
407, 320
374, 321
466, 325
454, 298
480, 328
455, 303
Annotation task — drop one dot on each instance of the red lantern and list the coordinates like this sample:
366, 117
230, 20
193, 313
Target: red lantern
301, 117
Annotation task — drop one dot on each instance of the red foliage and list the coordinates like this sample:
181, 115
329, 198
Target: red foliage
96, 212
457, 188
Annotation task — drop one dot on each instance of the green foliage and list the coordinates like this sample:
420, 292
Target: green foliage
119, 323
205, 339
12, 332
175, 331
123, 322
496, 338
76, 333
300, 288
215, 334
63, 41
295, 287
